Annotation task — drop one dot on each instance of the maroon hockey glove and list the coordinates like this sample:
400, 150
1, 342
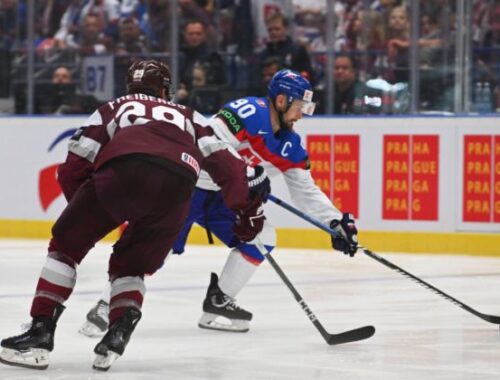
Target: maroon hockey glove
259, 184
346, 239
249, 222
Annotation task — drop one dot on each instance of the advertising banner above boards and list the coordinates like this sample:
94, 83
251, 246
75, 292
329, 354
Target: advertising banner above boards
394, 174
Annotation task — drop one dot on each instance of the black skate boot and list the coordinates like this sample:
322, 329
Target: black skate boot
31, 349
113, 344
97, 320
218, 304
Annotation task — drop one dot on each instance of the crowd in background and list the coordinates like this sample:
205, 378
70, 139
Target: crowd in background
232, 47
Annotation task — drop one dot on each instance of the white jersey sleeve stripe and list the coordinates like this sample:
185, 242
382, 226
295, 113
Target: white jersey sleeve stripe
85, 147
210, 144
94, 119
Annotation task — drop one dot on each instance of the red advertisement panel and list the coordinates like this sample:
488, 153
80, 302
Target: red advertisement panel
425, 177
346, 173
477, 178
320, 152
496, 180
396, 175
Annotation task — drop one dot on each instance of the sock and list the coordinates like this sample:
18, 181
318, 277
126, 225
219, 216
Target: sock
125, 292
236, 273
54, 287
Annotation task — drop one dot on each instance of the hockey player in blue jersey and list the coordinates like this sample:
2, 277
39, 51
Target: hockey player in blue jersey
261, 130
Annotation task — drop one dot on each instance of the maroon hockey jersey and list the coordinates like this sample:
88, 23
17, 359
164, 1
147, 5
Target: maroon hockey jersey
167, 132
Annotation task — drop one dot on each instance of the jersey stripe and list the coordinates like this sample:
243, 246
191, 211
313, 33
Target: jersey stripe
258, 144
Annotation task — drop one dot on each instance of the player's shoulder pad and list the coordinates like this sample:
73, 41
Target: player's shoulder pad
250, 113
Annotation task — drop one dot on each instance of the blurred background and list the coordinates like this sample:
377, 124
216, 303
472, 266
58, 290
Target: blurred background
362, 56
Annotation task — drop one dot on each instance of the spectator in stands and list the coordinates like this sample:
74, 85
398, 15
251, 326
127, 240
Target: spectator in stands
269, 67
430, 42
203, 95
351, 95
69, 25
138, 9
348, 89
61, 75
203, 11
365, 35
131, 40
435, 84
107, 10
91, 39
61, 96
292, 55
131, 43
384, 7
261, 10
195, 51
398, 43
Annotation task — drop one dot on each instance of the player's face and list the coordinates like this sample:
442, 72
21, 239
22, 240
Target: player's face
296, 112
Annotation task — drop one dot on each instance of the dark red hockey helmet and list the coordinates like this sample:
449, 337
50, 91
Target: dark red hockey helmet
149, 77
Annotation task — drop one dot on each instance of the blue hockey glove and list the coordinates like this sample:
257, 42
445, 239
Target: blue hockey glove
346, 239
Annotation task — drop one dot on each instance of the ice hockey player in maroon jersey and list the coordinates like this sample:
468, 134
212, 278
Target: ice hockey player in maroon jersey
136, 159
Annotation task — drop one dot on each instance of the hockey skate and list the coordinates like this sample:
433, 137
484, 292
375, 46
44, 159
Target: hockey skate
97, 320
218, 308
31, 349
113, 344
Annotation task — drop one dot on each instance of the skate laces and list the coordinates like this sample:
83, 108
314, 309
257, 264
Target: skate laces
229, 301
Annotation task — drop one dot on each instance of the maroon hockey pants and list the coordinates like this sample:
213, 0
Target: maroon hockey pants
155, 202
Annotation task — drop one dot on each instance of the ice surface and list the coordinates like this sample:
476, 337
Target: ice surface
419, 335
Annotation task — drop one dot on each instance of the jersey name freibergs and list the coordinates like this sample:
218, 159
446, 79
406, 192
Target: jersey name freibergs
248, 121
174, 135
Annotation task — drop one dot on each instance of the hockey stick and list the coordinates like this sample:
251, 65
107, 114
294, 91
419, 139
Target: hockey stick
486, 317
360, 333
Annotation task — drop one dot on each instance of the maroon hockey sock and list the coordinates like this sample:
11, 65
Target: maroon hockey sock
55, 285
125, 292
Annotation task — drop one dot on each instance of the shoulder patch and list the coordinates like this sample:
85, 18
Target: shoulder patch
231, 119
261, 103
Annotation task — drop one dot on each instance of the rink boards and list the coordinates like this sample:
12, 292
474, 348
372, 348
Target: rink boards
427, 184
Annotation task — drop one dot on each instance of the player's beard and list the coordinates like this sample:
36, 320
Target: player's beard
287, 126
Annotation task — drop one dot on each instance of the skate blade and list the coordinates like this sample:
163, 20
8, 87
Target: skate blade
211, 321
91, 330
104, 362
34, 358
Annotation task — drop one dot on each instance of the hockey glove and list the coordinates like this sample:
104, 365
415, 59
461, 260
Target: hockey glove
249, 222
259, 184
346, 239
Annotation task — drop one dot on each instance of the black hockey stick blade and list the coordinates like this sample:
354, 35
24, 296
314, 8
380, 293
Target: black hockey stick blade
331, 339
361, 333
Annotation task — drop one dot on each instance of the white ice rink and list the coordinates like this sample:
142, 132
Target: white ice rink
419, 335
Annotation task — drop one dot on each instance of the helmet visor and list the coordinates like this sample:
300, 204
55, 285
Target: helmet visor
305, 107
